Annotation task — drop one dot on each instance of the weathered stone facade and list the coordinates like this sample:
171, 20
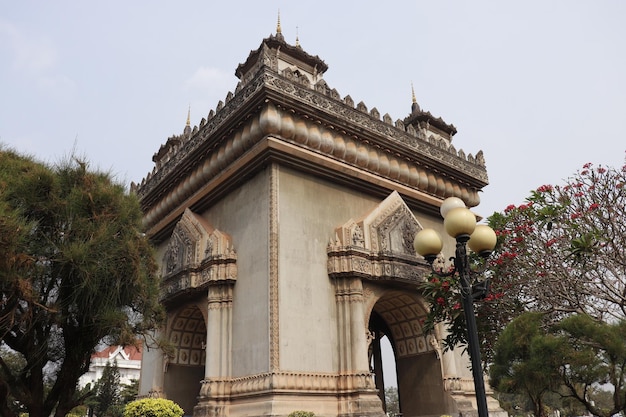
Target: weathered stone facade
284, 223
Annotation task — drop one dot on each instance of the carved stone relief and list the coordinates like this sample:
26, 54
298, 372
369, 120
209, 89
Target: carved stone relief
196, 255
379, 246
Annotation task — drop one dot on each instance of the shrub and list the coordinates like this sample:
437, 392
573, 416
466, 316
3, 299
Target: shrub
300, 413
153, 407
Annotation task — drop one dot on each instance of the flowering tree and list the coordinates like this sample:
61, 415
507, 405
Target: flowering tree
562, 252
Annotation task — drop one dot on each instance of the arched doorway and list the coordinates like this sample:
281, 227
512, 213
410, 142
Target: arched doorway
184, 367
398, 315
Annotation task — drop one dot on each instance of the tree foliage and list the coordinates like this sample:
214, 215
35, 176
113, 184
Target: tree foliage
561, 252
526, 361
594, 354
564, 251
574, 358
129, 392
108, 391
75, 271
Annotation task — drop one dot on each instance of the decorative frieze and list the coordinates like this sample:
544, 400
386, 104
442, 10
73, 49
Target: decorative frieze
285, 382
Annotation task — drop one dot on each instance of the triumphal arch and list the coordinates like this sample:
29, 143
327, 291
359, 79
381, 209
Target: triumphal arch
284, 223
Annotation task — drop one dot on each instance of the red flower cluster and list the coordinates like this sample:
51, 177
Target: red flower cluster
594, 206
496, 296
550, 242
503, 257
441, 301
525, 228
544, 188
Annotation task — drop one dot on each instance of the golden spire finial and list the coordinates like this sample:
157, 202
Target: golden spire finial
188, 117
414, 106
278, 29
297, 39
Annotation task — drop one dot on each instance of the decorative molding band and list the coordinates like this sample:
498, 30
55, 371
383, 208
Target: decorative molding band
348, 289
388, 150
210, 272
284, 382
358, 262
462, 386
324, 99
273, 269
284, 125
220, 296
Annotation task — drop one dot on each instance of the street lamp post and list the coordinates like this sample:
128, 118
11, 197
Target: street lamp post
460, 223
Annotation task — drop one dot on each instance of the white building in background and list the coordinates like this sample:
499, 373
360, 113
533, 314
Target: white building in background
128, 363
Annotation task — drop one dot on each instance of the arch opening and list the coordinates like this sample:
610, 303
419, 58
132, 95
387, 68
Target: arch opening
398, 316
184, 367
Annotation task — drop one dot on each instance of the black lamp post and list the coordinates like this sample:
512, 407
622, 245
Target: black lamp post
460, 223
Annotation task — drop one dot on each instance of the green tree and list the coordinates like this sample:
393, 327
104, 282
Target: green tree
595, 355
527, 361
75, 271
572, 358
108, 391
129, 392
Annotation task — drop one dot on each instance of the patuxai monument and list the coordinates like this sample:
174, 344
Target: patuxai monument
284, 225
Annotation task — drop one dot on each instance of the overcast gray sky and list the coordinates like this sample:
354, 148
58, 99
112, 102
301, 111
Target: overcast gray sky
539, 86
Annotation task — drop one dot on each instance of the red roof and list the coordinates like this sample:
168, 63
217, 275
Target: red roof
133, 352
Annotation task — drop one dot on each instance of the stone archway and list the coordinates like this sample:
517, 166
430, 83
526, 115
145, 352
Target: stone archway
184, 366
199, 272
372, 261
398, 315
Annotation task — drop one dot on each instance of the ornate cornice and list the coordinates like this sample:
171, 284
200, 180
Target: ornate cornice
315, 119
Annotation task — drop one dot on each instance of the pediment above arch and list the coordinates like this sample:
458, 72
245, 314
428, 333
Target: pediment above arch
196, 255
389, 228
379, 245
